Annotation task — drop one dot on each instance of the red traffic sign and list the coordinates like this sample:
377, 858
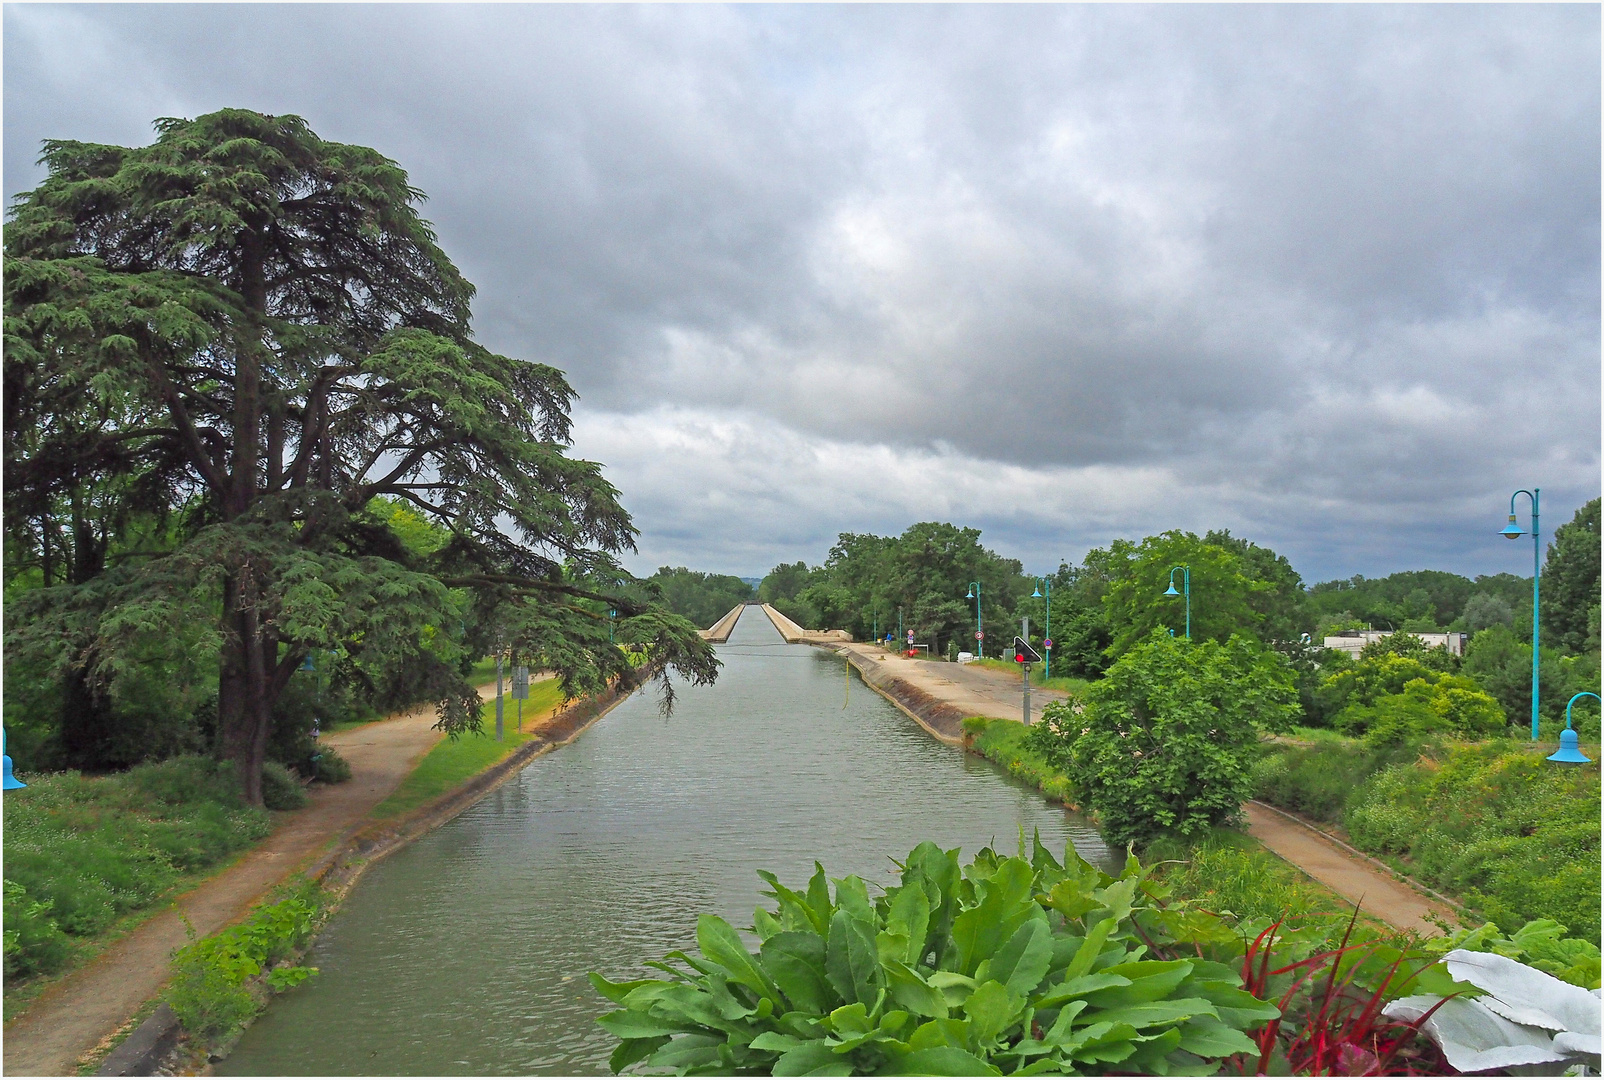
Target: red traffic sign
1024, 654
979, 636
1048, 644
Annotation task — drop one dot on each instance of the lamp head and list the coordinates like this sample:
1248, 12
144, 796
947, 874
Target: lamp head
970, 595
1568, 753
1037, 594
1171, 590
1512, 530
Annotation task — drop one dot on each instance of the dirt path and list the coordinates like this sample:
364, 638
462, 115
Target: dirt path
72, 1017
1350, 877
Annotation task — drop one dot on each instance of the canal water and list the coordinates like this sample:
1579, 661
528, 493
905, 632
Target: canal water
466, 952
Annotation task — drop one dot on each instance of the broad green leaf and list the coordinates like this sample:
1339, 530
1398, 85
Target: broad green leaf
944, 1061
765, 925
1086, 955
853, 896
628, 1024
851, 961
1212, 1039
1236, 1006
1154, 1013
1118, 898
1149, 981
819, 898
795, 961
1070, 989
615, 991
912, 992
991, 1009
910, 915
950, 1032
850, 1020
798, 912
812, 1059
955, 988
721, 944
1004, 907
778, 1042
629, 1051
1071, 900
890, 947
687, 1053
1022, 962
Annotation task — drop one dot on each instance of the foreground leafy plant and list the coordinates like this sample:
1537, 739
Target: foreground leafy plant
1024, 965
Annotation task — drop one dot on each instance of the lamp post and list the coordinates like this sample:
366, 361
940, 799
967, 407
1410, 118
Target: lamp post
980, 631
1047, 632
612, 619
1568, 752
1512, 531
1186, 587
11, 783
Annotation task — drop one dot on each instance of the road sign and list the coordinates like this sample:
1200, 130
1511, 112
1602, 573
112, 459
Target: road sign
910, 637
979, 636
520, 683
1024, 654
1048, 644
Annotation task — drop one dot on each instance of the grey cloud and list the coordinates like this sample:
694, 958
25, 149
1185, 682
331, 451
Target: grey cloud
1311, 259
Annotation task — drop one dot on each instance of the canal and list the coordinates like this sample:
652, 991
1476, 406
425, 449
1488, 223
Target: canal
466, 952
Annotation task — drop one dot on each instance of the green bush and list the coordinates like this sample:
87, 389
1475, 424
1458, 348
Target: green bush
329, 767
1004, 964
1166, 740
280, 789
1541, 943
1230, 873
1512, 834
95, 848
1315, 781
213, 992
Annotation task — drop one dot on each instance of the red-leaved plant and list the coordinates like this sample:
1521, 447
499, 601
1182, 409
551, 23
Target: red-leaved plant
1339, 1029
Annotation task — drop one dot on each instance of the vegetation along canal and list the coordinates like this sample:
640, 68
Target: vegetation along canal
467, 951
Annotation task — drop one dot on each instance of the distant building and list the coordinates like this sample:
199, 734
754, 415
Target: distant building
1353, 641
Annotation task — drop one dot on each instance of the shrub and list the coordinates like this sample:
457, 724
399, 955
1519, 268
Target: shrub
33, 941
1006, 963
280, 789
1316, 781
1166, 740
1229, 873
213, 991
329, 767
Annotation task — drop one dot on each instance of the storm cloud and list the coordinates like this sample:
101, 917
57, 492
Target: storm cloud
1328, 276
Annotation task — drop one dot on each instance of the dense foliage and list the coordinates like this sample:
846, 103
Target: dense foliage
1512, 835
1002, 965
80, 852
220, 350
1166, 740
701, 598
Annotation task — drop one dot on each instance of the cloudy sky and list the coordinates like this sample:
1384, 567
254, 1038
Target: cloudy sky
1325, 276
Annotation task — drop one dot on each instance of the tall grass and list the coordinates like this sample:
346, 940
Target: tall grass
80, 852
1003, 741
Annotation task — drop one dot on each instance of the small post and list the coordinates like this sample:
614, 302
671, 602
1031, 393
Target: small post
499, 704
1024, 632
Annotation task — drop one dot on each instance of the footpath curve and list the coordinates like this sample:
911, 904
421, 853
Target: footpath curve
333, 833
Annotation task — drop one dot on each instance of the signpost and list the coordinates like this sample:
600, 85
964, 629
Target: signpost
1025, 656
520, 692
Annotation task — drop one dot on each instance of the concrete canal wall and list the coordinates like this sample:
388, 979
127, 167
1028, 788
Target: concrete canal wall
797, 635
719, 632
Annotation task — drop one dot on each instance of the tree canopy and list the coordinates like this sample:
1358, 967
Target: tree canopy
247, 334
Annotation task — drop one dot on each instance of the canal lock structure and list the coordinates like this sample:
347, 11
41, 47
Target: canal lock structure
466, 952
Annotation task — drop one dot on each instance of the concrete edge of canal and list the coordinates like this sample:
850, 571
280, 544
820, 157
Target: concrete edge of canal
154, 1042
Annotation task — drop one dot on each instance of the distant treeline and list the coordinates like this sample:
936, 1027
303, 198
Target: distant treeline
701, 598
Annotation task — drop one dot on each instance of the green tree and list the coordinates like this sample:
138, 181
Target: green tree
1225, 593
276, 339
701, 598
1571, 581
1166, 740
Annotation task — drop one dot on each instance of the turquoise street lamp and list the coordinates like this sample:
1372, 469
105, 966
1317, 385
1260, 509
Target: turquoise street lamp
1568, 751
11, 783
980, 631
1047, 628
1512, 531
1186, 587
612, 619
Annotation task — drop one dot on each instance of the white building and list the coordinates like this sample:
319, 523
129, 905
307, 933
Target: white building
1353, 641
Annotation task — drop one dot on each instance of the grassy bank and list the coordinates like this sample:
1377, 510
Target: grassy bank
1512, 836
1003, 741
83, 854
453, 761
1067, 685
